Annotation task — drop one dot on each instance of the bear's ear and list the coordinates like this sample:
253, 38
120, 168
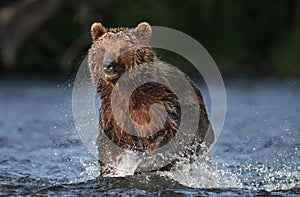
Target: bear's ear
97, 30
143, 32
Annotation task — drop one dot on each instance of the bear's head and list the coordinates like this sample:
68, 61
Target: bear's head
116, 50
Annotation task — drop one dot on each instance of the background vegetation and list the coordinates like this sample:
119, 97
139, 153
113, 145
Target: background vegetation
244, 37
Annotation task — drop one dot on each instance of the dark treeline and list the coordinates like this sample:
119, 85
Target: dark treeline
251, 37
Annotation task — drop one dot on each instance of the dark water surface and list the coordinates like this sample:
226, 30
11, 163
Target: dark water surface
258, 152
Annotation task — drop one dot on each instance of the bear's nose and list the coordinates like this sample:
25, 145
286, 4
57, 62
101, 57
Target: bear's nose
107, 61
107, 67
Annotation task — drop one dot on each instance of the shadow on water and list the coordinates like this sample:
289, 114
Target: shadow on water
257, 153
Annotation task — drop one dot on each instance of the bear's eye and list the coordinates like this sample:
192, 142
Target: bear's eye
123, 50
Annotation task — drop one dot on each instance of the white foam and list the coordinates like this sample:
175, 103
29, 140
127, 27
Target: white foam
126, 164
203, 174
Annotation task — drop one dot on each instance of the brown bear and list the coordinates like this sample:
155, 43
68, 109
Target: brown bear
115, 51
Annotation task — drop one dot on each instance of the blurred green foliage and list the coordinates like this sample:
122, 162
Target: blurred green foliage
252, 37
44, 49
285, 56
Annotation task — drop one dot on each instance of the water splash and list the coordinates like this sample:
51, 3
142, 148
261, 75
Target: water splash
264, 177
126, 164
203, 174
206, 174
91, 170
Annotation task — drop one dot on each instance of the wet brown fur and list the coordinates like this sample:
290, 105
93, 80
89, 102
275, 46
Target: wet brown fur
142, 98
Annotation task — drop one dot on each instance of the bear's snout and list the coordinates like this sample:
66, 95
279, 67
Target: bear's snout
108, 62
112, 67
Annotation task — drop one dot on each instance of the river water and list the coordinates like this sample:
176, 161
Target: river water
258, 152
